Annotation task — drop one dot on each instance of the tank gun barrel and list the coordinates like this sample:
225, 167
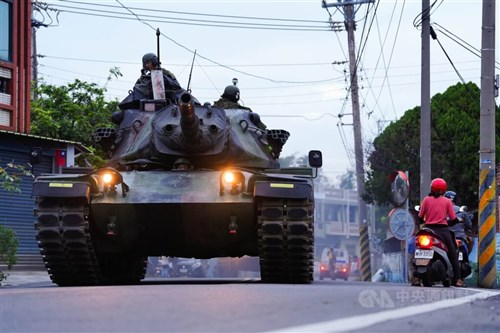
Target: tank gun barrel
190, 123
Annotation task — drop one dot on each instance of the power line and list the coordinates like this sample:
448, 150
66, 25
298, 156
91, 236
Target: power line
206, 65
323, 26
215, 62
199, 14
475, 51
434, 36
387, 66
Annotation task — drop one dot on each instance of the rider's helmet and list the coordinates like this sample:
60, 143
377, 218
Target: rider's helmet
150, 57
232, 93
438, 186
451, 195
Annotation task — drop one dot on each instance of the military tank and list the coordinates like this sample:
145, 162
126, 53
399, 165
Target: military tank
182, 180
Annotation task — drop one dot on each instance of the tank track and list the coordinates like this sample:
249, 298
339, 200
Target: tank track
286, 243
63, 234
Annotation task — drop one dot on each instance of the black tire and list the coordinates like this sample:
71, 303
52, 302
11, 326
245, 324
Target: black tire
447, 283
427, 279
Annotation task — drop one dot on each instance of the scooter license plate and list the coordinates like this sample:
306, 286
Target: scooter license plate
460, 256
183, 270
422, 262
424, 254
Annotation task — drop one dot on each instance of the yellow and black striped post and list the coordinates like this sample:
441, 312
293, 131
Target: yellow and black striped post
364, 253
487, 217
487, 143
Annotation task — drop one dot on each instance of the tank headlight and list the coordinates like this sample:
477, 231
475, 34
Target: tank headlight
234, 180
107, 178
229, 177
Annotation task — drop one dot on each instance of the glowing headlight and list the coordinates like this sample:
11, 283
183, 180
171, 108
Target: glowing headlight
229, 177
107, 177
234, 180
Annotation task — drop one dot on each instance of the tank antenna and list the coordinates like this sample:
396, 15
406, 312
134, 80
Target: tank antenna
158, 45
191, 72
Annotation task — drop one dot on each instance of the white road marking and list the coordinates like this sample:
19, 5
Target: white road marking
367, 320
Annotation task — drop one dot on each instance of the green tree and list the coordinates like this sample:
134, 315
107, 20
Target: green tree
455, 145
70, 112
8, 249
10, 178
347, 180
321, 181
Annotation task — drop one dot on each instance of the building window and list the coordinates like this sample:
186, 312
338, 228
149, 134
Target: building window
4, 118
4, 85
6, 30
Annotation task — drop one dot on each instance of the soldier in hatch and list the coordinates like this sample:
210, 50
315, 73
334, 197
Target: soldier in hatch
229, 100
150, 62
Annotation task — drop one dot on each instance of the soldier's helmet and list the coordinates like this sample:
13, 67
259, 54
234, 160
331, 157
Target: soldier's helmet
183, 164
232, 93
150, 57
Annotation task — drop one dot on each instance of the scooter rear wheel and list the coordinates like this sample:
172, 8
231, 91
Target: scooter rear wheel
427, 279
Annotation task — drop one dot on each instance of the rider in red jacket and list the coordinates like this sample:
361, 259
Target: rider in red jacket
435, 210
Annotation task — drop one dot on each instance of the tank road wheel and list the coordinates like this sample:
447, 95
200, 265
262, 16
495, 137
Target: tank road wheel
285, 231
62, 231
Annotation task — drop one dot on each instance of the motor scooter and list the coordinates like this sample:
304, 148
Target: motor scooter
463, 257
464, 242
431, 262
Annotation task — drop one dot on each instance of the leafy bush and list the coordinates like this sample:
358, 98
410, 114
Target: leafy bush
8, 249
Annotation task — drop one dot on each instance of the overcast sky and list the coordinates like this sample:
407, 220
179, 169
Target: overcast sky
290, 65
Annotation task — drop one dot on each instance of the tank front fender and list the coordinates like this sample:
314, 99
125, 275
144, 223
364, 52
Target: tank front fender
283, 189
61, 189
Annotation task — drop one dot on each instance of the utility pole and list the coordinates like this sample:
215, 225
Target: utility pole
347, 6
34, 62
487, 183
425, 103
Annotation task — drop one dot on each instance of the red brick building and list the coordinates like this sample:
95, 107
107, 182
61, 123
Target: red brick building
15, 65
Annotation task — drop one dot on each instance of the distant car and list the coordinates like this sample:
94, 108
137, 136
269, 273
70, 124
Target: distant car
324, 271
341, 270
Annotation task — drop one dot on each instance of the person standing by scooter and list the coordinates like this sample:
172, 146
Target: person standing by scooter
434, 211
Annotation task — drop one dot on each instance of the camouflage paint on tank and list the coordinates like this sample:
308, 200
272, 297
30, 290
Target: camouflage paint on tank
150, 208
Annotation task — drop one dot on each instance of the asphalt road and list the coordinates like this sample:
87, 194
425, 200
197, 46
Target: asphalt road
247, 306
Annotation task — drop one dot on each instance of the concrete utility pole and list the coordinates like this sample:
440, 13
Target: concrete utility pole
34, 57
350, 24
487, 176
425, 103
